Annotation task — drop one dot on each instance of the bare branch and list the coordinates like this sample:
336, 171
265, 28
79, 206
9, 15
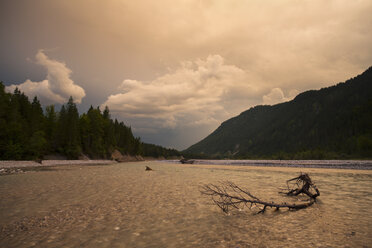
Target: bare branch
228, 195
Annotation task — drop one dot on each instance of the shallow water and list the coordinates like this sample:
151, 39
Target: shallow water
122, 205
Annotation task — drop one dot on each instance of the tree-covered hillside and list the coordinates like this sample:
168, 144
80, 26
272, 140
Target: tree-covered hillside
334, 122
28, 132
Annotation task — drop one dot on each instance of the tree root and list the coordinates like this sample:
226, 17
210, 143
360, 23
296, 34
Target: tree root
228, 195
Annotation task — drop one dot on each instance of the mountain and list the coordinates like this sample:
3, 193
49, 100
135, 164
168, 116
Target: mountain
333, 122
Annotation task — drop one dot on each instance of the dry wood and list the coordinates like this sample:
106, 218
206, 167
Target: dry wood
187, 161
228, 195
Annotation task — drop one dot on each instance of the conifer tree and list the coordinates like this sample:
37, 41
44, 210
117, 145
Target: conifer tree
72, 147
50, 127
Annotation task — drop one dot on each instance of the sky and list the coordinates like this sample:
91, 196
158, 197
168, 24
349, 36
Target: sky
175, 70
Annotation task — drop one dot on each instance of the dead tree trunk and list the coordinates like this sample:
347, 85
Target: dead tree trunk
302, 185
228, 195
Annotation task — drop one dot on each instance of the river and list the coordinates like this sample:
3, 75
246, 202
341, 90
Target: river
122, 205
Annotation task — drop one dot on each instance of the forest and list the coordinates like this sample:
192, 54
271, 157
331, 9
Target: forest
28, 132
330, 123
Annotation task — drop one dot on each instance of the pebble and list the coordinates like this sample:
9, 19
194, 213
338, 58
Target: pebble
7, 171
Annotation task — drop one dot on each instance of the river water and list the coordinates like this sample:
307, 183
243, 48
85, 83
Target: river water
122, 205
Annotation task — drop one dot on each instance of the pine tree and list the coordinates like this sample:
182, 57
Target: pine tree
50, 128
18, 128
108, 130
4, 120
72, 148
61, 134
96, 132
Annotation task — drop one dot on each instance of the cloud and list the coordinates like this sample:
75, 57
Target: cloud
199, 94
286, 44
56, 88
196, 96
276, 95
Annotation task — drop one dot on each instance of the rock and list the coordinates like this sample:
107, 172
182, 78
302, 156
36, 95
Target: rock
140, 158
117, 156
38, 160
83, 157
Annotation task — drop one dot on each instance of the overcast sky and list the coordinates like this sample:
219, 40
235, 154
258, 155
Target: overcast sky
174, 70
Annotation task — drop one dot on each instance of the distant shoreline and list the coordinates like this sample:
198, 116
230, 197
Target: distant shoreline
6, 165
9, 164
27, 163
332, 164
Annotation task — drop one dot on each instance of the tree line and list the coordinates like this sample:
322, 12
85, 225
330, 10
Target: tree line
28, 132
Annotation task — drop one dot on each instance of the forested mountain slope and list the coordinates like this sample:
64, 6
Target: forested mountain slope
333, 122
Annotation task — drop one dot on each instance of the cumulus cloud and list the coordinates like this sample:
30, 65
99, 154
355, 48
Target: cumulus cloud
56, 88
286, 44
276, 95
196, 93
196, 96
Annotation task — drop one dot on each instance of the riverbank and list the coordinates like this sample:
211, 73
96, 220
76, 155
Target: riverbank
14, 167
332, 164
44, 163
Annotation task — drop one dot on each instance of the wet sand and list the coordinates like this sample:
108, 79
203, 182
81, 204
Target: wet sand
122, 205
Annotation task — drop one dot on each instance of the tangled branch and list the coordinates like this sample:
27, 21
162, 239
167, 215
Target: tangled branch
228, 195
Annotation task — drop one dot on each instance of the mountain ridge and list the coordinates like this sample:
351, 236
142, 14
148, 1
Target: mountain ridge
331, 122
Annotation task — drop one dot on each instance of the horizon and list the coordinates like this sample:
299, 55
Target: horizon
58, 106
175, 72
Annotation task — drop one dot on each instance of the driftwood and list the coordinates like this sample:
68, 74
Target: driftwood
186, 161
228, 195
